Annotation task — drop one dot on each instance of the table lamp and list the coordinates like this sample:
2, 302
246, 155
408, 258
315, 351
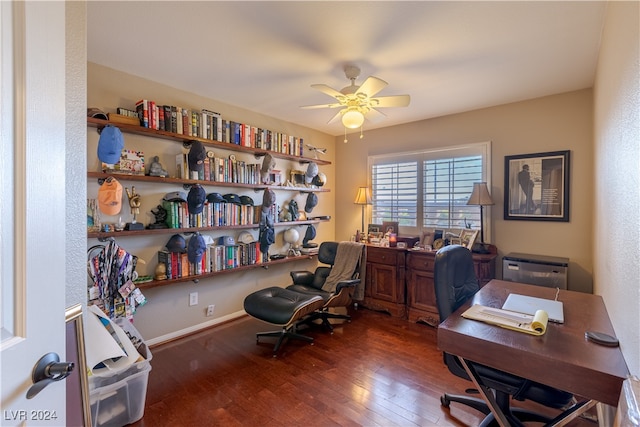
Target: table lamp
363, 198
480, 197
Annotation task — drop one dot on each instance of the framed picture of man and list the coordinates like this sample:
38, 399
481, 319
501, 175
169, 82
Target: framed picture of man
536, 186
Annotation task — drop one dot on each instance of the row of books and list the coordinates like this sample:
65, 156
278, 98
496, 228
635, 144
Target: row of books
210, 125
215, 258
213, 215
220, 169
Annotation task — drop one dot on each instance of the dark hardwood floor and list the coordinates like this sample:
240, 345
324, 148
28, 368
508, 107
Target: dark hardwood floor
374, 371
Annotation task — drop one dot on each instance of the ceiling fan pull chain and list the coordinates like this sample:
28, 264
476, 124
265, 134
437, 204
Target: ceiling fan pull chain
345, 135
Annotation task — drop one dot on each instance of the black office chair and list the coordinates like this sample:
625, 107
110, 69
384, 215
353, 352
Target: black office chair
309, 283
455, 282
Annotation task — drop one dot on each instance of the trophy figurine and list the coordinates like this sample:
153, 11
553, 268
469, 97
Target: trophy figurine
134, 203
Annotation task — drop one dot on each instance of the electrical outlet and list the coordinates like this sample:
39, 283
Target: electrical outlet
193, 298
210, 310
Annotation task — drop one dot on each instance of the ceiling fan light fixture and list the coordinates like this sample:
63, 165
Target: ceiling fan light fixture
352, 119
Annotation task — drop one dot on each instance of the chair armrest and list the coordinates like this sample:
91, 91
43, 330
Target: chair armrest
347, 284
302, 277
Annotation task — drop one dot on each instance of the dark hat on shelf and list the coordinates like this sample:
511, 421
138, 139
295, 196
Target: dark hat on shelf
97, 113
269, 198
246, 200
310, 234
215, 198
312, 201
110, 145
175, 196
196, 199
196, 248
176, 244
226, 241
267, 237
197, 155
231, 198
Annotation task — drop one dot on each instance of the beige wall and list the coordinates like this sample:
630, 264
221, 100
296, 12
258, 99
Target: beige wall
168, 314
617, 176
553, 123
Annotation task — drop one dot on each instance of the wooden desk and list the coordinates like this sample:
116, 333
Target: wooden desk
560, 358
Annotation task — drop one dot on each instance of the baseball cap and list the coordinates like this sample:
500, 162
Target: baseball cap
215, 198
267, 237
312, 170
231, 198
110, 145
246, 200
176, 244
196, 248
196, 156
267, 166
226, 241
196, 199
245, 237
97, 113
310, 234
312, 201
175, 196
269, 197
110, 197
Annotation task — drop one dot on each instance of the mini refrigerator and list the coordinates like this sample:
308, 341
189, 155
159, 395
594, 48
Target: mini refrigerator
536, 270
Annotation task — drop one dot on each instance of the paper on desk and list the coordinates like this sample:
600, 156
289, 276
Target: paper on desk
102, 347
534, 325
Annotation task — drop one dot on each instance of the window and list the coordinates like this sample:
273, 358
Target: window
428, 189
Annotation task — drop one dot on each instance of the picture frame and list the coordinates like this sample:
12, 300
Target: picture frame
468, 238
536, 186
77, 395
390, 227
297, 178
373, 228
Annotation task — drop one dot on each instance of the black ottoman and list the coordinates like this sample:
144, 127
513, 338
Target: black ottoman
282, 307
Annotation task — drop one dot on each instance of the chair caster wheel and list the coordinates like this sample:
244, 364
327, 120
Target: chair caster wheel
444, 401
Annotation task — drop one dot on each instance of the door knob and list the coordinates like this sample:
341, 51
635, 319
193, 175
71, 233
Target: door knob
47, 370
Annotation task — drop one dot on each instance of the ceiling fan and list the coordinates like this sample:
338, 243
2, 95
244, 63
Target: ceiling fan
357, 102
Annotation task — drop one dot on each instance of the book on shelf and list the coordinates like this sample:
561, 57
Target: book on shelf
142, 107
534, 325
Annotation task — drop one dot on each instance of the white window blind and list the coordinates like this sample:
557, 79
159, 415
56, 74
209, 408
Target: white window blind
428, 189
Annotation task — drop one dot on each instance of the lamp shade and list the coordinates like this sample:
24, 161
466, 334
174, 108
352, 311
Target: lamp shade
352, 119
480, 195
363, 197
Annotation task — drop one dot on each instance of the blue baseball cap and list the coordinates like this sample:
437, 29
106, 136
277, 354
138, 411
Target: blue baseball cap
196, 198
110, 145
197, 155
176, 244
196, 248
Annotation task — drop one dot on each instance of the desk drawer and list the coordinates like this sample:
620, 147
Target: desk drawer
382, 256
420, 261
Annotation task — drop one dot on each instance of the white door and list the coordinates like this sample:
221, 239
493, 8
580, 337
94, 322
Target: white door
32, 206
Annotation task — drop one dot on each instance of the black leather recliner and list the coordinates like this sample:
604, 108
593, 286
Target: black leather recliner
311, 283
306, 300
456, 282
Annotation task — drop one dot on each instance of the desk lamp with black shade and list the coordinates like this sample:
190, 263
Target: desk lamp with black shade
480, 197
363, 198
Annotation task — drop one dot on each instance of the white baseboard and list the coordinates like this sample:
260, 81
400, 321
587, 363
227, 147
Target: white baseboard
195, 328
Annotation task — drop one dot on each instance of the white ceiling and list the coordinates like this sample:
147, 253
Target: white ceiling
263, 56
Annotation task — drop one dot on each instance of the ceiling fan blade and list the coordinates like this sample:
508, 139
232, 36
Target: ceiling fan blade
334, 118
310, 107
391, 101
328, 90
374, 115
371, 86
